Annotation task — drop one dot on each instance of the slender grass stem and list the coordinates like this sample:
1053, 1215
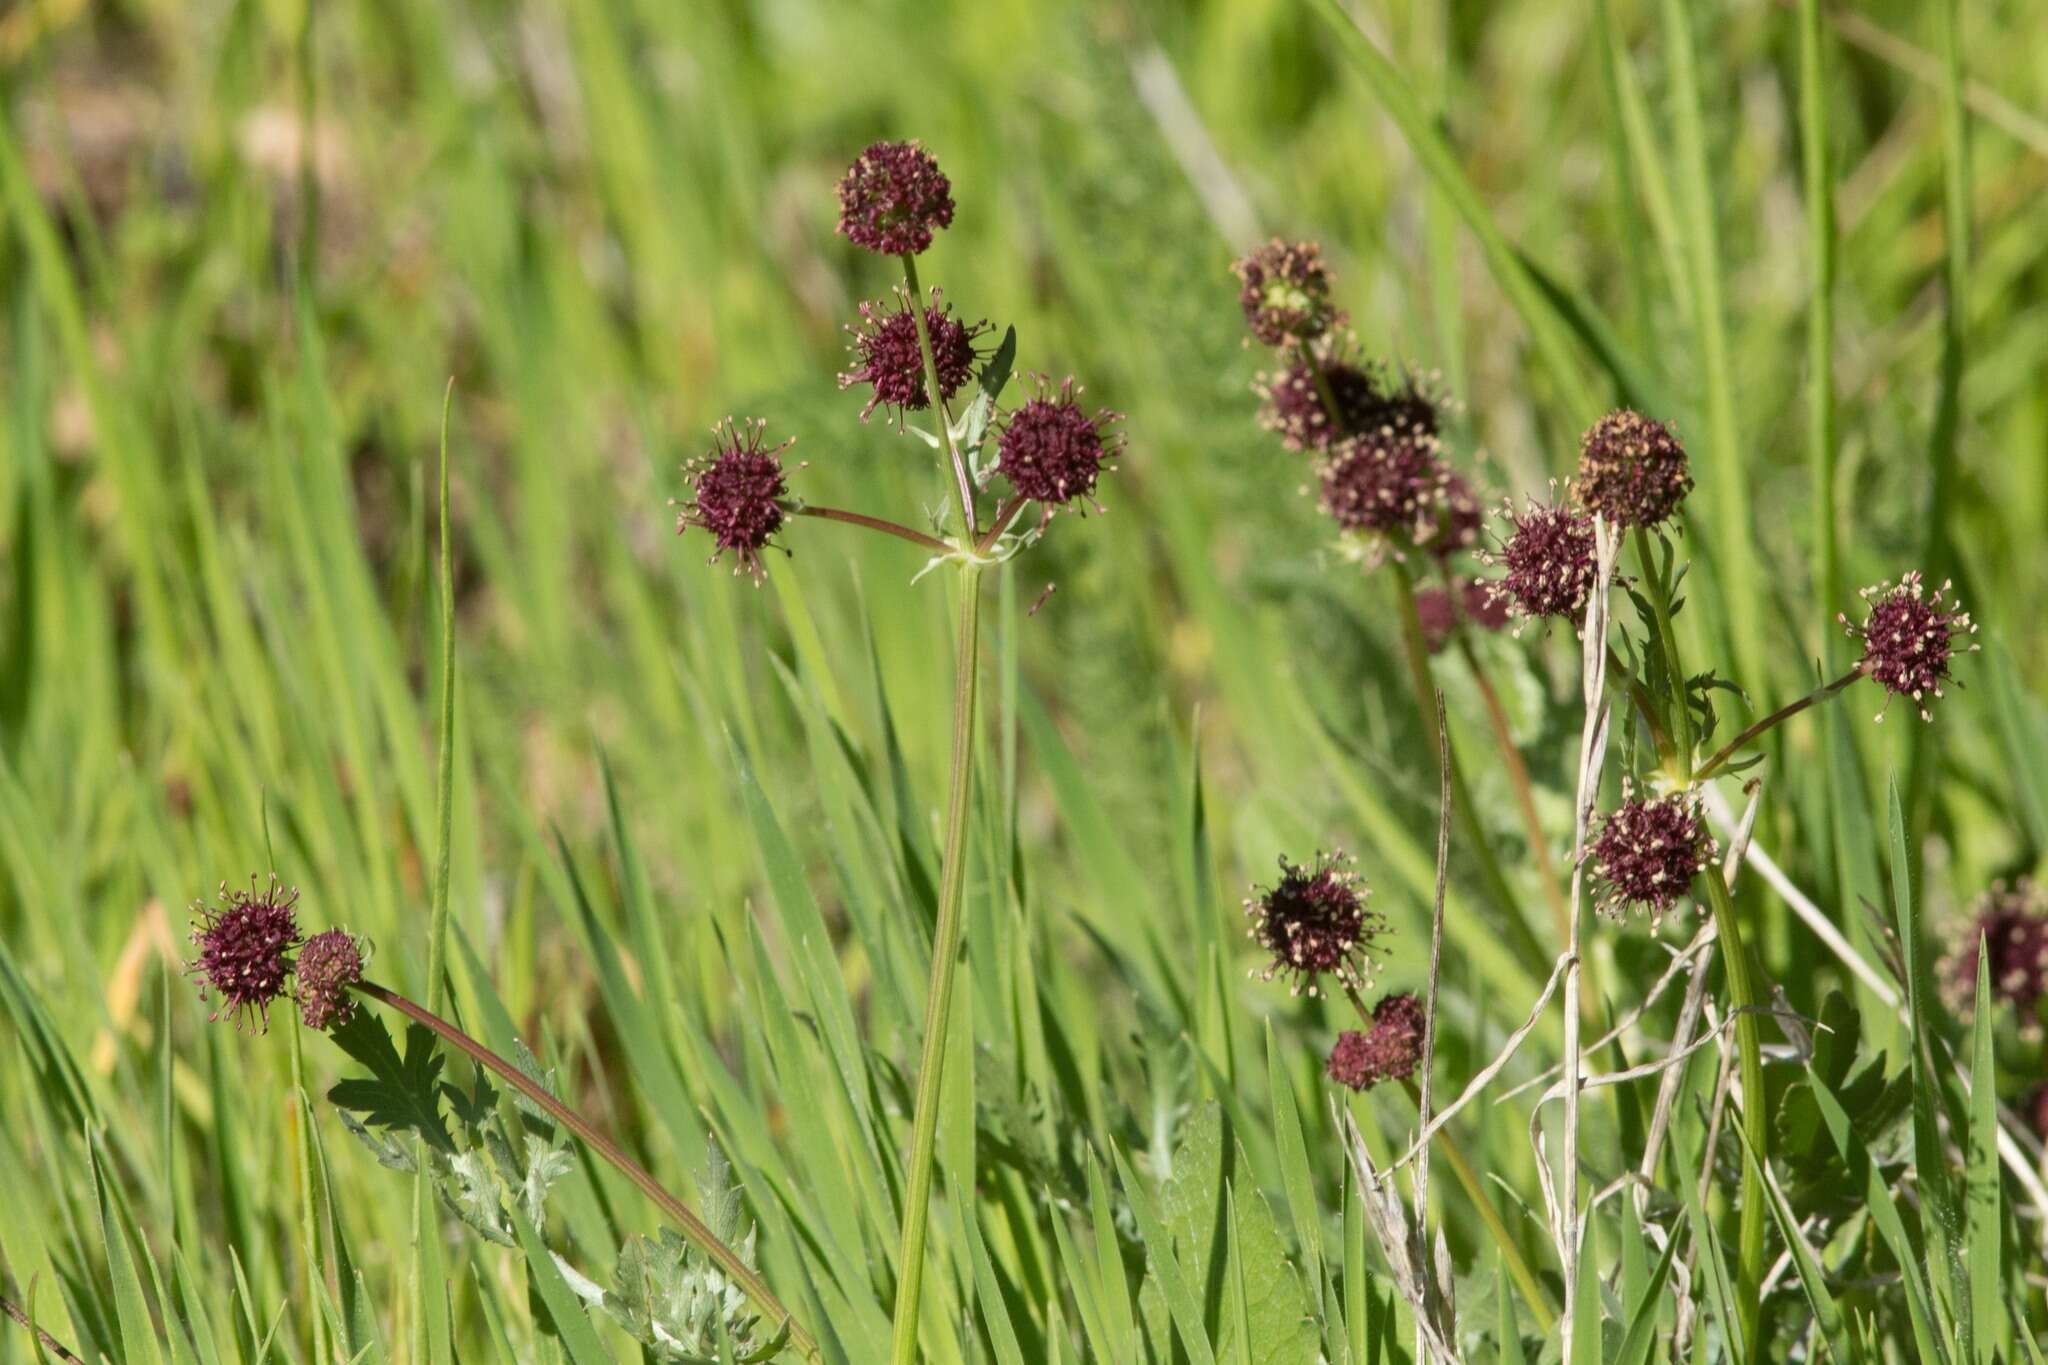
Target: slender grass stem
1525, 790
1820, 308
50, 1343
1490, 874
1518, 1266
693, 1227
924, 1130
1745, 996
886, 527
963, 484
1660, 608
1771, 722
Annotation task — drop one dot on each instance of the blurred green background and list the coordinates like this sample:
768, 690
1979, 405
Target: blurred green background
244, 251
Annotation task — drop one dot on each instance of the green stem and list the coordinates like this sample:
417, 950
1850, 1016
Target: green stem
1494, 881
1518, 1267
309, 1229
1660, 607
693, 1227
963, 485
1525, 792
1820, 309
1745, 996
924, 1129
1771, 722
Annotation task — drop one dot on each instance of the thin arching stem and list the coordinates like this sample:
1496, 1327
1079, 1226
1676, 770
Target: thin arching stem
886, 527
50, 1343
1005, 514
693, 1227
1771, 722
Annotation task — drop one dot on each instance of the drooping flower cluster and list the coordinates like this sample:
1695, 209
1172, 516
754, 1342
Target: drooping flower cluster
1051, 449
330, 963
2010, 927
893, 198
737, 492
1910, 637
1632, 470
1388, 1051
245, 947
1364, 395
1648, 850
891, 363
1548, 559
1285, 293
1315, 921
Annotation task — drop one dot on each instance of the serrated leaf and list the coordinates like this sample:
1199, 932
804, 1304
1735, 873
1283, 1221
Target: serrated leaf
468, 1185
400, 1093
387, 1152
545, 1164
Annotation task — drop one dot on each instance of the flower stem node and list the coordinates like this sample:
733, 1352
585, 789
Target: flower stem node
1314, 921
1910, 636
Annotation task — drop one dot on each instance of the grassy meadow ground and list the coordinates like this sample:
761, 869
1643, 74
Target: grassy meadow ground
694, 824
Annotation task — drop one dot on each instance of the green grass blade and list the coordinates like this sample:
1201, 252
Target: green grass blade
1984, 1233
1181, 1300
1827, 1312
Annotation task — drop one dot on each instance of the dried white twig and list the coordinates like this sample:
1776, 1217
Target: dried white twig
1436, 955
1400, 1241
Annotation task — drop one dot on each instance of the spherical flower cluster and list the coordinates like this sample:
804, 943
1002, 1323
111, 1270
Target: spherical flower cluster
330, 963
1909, 639
2010, 923
1365, 397
1313, 921
1388, 1051
1549, 561
893, 197
1286, 293
890, 363
737, 489
1632, 470
1051, 450
1386, 482
1441, 613
245, 949
1648, 850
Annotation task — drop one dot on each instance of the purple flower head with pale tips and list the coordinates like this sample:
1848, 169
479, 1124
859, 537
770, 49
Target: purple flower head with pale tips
1648, 850
1314, 921
245, 950
1632, 470
893, 198
1387, 483
2010, 926
1910, 636
1051, 449
891, 364
1388, 1051
329, 964
1285, 293
737, 488
1364, 393
1549, 561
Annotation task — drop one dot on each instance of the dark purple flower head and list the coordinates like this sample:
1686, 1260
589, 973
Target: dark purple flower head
1366, 397
1388, 1051
1549, 561
737, 489
893, 197
1315, 920
1051, 449
1441, 611
889, 361
1632, 470
2010, 922
1461, 520
245, 950
1286, 293
1387, 482
1481, 604
1909, 639
330, 963
1648, 851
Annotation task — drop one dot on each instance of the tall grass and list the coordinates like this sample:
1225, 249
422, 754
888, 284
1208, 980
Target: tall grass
682, 837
